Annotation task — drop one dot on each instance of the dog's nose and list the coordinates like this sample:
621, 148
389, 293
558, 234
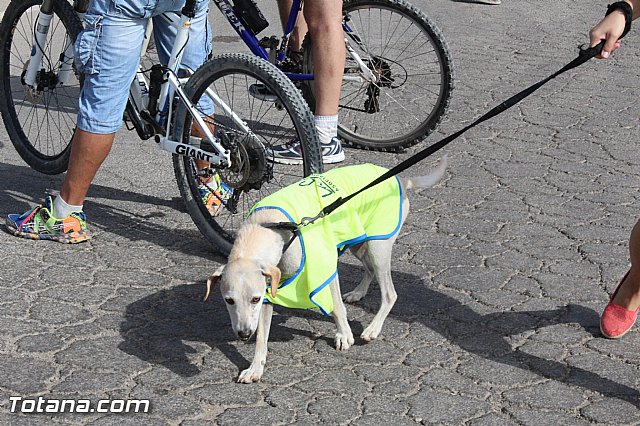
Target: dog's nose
244, 334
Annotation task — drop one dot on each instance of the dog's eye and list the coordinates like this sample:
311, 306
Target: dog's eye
229, 301
255, 300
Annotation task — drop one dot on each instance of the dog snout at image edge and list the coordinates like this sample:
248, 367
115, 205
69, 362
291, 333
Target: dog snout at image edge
262, 270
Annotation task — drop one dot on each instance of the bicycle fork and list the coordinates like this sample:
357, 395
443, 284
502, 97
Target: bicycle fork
39, 40
35, 76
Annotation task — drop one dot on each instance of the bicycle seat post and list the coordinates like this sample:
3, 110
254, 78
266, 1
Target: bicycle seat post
81, 6
189, 9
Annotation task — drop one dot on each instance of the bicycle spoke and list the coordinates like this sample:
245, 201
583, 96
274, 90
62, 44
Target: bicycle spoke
405, 100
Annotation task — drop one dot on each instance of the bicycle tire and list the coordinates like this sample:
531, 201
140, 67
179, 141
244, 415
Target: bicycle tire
26, 113
273, 123
404, 81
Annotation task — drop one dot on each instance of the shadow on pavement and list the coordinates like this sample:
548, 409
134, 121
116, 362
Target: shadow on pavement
21, 188
156, 326
172, 316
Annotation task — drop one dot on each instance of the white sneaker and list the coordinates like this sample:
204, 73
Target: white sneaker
290, 153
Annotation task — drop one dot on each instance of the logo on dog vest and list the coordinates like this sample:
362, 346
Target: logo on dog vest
322, 182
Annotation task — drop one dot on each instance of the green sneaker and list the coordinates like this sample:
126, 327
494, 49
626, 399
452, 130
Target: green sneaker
40, 224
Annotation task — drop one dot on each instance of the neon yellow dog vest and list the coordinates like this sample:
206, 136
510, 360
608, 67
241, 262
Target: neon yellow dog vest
374, 214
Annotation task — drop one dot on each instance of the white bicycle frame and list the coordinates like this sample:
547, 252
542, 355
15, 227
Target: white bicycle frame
139, 90
139, 96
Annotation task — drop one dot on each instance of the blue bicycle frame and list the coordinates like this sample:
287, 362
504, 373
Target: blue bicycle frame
254, 44
364, 73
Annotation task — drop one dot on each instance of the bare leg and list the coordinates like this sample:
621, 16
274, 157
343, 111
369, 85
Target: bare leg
197, 133
88, 152
300, 29
328, 50
628, 296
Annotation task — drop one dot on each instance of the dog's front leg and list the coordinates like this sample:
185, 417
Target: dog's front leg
344, 336
255, 370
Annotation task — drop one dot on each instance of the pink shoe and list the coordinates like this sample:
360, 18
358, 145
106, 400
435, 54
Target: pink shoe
616, 321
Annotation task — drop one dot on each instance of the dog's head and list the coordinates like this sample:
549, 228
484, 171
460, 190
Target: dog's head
243, 284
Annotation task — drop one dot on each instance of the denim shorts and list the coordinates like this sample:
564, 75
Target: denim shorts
108, 53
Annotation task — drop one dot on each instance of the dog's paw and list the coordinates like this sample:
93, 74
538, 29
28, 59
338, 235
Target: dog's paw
371, 332
344, 341
352, 296
250, 375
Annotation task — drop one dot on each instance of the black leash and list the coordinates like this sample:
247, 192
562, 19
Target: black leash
583, 56
287, 226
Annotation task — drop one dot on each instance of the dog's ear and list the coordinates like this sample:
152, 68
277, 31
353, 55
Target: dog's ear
274, 274
212, 280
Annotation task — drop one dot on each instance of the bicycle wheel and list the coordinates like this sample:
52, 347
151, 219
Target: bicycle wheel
413, 67
275, 119
40, 122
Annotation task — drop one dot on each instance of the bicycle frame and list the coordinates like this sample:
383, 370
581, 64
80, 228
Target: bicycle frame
139, 90
172, 86
257, 48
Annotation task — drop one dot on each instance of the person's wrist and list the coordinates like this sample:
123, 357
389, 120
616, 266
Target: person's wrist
627, 11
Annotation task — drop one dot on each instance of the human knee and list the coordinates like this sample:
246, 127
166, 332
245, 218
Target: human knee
323, 17
324, 27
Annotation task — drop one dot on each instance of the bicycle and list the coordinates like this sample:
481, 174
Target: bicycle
366, 121
398, 77
163, 106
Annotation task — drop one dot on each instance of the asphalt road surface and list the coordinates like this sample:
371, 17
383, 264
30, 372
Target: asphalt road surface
501, 270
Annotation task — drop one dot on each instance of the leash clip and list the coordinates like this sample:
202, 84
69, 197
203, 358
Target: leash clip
305, 221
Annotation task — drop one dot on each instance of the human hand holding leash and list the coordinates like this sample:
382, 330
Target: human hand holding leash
614, 26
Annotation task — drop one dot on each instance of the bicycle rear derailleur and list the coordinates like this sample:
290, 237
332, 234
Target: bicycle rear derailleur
382, 69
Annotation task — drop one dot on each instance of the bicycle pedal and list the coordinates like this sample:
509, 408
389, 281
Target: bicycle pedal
260, 91
269, 42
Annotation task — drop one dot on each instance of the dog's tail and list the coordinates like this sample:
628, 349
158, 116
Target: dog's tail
429, 180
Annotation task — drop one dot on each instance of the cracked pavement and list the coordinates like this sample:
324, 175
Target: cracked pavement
501, 270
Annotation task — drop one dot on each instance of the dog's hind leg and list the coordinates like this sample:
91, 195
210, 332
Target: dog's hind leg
255, 370
380, 257
344, 336
361, 252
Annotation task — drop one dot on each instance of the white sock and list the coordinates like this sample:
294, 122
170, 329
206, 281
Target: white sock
327, 126
212, 183
62, 209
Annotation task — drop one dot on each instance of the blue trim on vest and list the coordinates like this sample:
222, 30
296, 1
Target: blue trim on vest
319, 288
304, 255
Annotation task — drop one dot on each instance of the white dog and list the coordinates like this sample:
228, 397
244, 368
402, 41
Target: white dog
270, 264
